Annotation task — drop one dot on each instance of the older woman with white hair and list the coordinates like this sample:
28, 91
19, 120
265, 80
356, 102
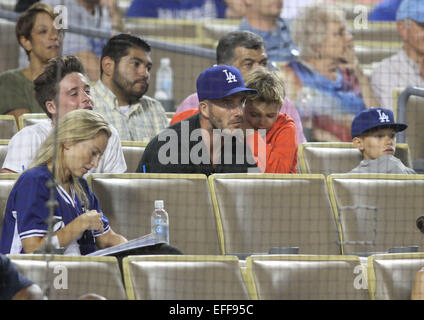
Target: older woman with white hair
326, 82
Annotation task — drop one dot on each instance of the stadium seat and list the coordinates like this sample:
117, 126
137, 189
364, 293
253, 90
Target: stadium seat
8, 126
3, 149
128, 202
28, 119
414, 135
307, 277
338, 157
133, 151
377, 212
70, 277
186, 277
257, 212
391, 276
6, 184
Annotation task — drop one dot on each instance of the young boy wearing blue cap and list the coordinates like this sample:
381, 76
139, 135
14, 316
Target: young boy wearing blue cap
374, 134
209, 141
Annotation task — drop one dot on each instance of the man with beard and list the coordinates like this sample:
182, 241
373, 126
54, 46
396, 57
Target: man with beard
62, 87
211, 141
119, 94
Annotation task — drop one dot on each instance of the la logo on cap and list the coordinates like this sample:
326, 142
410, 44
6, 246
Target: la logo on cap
230, 77
382, 116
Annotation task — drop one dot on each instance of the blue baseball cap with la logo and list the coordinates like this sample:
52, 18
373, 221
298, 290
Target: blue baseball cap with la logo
372, 118
219, 82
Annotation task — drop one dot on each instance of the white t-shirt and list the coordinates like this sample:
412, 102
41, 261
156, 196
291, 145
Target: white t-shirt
24, 145
397, 71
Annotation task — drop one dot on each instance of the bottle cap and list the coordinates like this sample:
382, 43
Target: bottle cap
158, 204
165, 61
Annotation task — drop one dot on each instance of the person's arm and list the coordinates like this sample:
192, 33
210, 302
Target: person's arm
33, 292
418, 288
351, 63
109, 239
18, 112
90, 220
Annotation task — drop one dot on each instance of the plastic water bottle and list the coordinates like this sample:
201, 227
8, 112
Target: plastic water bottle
159, 222
164, 80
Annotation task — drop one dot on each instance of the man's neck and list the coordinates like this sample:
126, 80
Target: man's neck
260, 22
209, 138
413, 54
325, 67
120, 96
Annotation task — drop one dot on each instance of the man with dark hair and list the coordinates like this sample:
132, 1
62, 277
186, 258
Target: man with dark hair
119, 94
61, 88
211, 141
245, 50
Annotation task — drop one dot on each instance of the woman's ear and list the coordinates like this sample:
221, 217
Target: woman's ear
25, 43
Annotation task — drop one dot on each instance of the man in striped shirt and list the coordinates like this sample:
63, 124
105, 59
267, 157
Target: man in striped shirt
119, 94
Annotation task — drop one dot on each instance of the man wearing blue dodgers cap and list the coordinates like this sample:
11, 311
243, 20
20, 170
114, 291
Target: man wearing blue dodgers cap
374, 134
210, 141
406, 67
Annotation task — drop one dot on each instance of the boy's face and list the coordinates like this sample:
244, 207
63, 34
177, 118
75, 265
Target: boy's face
261, 115
376, 143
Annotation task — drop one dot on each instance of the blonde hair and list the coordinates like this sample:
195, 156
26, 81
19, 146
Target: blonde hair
309, 28
269, 84
73, 127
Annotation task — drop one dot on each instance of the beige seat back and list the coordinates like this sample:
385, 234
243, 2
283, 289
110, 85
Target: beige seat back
133, 151
128, 202
3, 149
70, 277
28, 119
307, 277
391, 276
7, 181
415, 121
338, 157
377, 212
8, 126
260, 211
184, 278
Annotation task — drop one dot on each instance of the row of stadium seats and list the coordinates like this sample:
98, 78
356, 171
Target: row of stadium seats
217, 277
244, 214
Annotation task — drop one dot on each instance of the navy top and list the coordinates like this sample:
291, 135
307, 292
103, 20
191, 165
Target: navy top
177, 9
11, 281
26, 213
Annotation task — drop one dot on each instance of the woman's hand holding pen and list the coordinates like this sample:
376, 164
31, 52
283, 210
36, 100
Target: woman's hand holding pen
92, 220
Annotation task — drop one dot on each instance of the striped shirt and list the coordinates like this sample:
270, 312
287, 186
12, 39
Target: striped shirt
144, 120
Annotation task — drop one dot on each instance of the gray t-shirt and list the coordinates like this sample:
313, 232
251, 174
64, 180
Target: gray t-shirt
385, 164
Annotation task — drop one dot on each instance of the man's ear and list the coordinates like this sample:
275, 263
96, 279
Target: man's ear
108, 66
204, 109
358, 143
51, 107
402, 29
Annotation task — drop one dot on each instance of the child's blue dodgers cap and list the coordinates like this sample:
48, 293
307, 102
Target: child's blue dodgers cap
219, 82
373, 118
411, 9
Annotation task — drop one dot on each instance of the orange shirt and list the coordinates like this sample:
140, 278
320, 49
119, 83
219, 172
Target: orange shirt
183, 115
281, 144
